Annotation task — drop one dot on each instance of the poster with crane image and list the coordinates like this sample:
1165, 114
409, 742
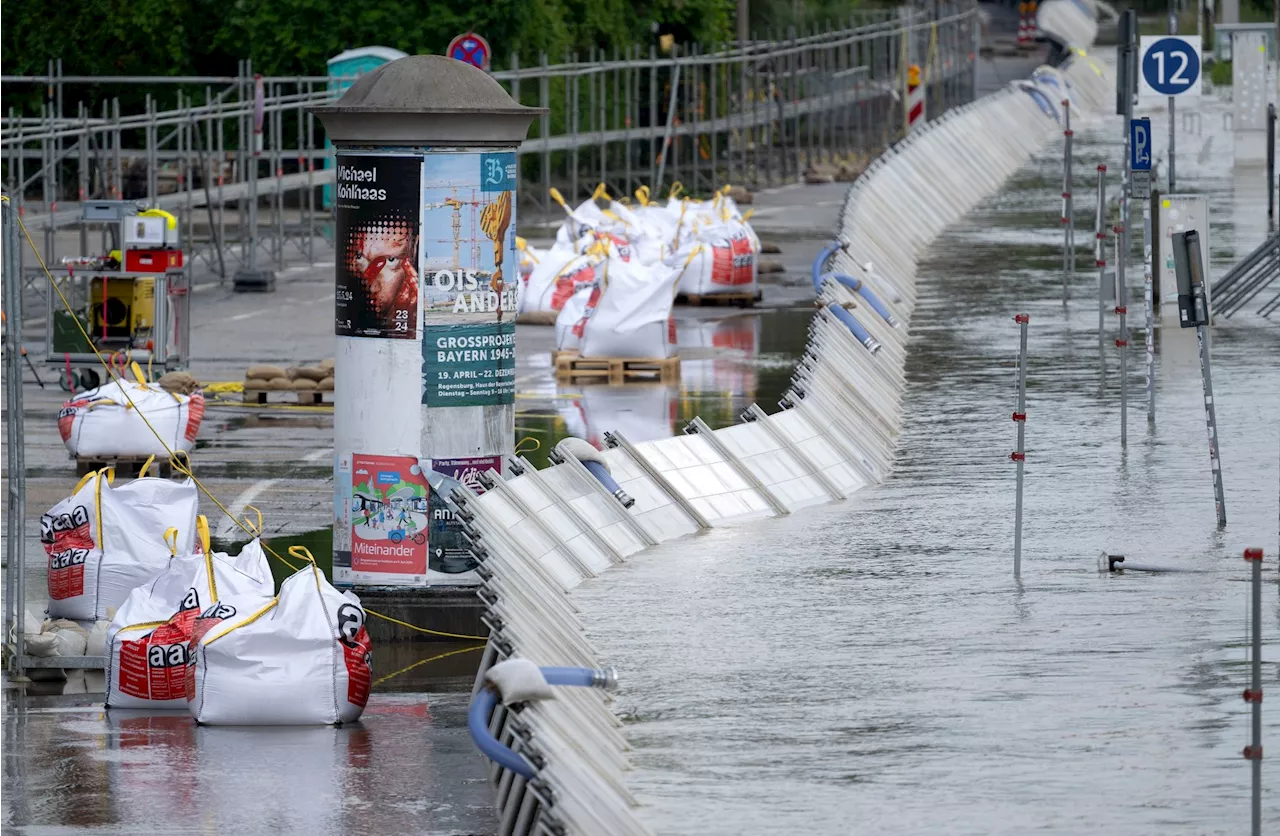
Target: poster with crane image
376, 233
470, 276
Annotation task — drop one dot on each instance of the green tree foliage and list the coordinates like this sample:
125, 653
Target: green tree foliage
295, 37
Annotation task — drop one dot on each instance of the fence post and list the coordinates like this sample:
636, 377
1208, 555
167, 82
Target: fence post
1068, 207
1100, 259
1020, 456
1253, 694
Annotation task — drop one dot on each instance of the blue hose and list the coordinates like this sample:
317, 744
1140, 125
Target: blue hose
478, 725
484, 702
860, 287
820, 264
602, 475
855, 327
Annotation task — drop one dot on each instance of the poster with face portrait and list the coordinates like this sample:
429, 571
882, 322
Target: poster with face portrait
377, 219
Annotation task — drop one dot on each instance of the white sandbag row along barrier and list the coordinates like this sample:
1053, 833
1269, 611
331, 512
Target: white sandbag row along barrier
559, 760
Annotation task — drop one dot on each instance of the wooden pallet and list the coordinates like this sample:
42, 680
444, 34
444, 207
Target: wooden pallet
569, 366
306, 397
740, 300
126, 467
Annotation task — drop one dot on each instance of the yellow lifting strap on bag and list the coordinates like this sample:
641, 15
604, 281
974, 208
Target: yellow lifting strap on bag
558, 198
142, 471
202, 531
676, 188
137, 373
642, 195
601, 191
255, 530
97, 501
171, 540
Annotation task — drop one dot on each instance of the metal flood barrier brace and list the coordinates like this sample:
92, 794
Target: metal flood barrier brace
538, 534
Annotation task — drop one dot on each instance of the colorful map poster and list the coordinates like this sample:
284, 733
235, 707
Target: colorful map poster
389, 515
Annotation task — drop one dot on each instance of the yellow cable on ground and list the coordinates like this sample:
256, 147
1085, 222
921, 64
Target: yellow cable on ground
174, 457
422, 662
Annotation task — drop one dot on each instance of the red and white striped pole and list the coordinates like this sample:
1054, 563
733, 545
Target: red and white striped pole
1020, 455
1253, 694
1024, 29
915, 98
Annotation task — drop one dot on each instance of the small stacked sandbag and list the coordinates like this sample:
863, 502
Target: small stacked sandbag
311, 378
267, 378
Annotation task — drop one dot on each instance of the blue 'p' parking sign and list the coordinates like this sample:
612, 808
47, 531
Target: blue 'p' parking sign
1139, 144
1170, 66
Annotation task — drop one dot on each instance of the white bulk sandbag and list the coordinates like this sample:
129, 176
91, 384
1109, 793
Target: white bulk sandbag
632, 316
104, 540
304, 658
572, 318
543, 275
734, 250
547, 294
150, 636
106, 421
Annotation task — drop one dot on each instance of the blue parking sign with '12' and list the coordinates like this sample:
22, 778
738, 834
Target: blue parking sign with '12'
1139, 144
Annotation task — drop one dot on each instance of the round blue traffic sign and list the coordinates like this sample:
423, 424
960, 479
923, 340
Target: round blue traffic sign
1170, 66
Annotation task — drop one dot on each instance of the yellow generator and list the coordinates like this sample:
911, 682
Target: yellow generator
129, 309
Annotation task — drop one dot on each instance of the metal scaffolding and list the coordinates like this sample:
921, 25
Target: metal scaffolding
755, 115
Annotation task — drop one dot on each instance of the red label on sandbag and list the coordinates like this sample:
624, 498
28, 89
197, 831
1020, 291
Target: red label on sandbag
620, 244
195, 414
155, 666
732, 260
70, 530
357, 653
671, 330
570, 283
67, 418
66, 573
202, 624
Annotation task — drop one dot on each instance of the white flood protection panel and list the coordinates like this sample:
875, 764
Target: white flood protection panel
540, 533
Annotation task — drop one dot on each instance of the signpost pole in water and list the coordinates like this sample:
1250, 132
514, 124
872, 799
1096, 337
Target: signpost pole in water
424, 310
1020, 456
1122, 341
1068, 208
1148, 298
1173, 127
1193, 312
1253, 694
1100, 260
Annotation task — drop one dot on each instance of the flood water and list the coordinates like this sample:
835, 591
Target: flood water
872, 666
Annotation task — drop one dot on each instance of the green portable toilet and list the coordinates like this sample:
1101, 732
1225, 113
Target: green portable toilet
345, 66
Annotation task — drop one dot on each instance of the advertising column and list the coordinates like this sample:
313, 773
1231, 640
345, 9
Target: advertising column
424, 376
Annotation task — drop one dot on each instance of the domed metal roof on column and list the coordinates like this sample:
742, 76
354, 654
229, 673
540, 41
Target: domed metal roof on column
427, 100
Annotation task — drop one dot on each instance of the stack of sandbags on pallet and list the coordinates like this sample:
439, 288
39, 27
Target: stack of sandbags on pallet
130, 418
267, 378
63, 637
312, 378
